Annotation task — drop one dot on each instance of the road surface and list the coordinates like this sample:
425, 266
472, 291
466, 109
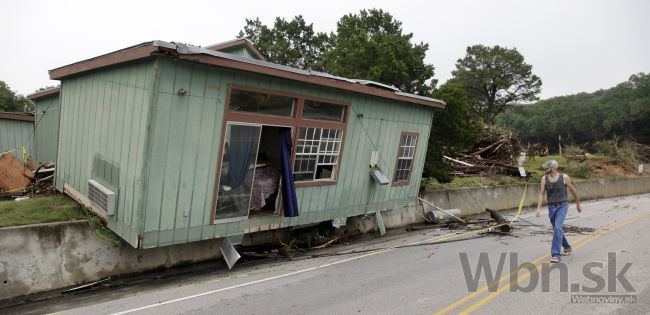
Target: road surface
421, 279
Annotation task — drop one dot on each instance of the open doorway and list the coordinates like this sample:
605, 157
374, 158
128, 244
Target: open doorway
251, 172
265, 193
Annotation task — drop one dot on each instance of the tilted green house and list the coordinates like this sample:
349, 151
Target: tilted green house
172, 143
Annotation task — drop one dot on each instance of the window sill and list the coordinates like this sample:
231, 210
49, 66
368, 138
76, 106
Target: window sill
402, 183
315, 183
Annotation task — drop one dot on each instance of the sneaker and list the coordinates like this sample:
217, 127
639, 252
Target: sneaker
555, 260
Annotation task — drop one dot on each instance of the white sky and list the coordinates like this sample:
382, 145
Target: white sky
574, 46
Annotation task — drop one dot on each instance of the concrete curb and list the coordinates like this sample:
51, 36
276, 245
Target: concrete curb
475, 199
42, 257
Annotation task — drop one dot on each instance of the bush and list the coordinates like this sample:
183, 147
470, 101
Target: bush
607, 147
581, 170
626, 153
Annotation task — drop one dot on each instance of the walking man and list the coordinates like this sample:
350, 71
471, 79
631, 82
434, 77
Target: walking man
555, 184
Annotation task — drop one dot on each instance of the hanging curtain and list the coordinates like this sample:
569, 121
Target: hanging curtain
240, 151
289, 200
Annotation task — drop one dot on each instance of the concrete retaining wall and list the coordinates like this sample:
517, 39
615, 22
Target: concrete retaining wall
475, 200
44, 257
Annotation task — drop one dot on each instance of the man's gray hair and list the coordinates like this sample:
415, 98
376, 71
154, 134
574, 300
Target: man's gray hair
550, 164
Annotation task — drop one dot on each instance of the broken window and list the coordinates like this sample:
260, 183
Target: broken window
261, 103
405, 158
323, 111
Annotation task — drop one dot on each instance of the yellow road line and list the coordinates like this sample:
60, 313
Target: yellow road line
493, 295
495, 282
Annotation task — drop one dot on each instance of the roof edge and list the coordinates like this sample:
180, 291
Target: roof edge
17, 116
236, 42
45, 93
135, 52
217, 58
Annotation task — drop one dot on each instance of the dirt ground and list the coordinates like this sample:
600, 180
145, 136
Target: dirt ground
604, 168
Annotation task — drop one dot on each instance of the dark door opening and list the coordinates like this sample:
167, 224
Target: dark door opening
265, 193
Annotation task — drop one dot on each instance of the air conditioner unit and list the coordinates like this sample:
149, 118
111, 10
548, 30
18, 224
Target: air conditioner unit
101, 197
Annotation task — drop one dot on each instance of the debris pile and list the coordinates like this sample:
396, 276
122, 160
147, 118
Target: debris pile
14, 176
494, 153
18, 179
643, 150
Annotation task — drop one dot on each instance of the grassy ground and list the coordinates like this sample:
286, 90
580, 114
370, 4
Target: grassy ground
584, 170
42, 209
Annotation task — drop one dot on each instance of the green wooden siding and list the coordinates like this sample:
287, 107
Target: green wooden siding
46, 124
185, 137
14, 134
240, 51
128, 128
102, 136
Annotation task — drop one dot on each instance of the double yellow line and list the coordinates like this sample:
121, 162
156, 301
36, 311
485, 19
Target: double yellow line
582, 241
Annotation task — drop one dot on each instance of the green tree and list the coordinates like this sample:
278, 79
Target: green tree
12, 102
371, 45
496, 77
454, 129
291, 43
621, 111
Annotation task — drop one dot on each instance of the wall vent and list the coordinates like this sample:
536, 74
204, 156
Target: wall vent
101, 197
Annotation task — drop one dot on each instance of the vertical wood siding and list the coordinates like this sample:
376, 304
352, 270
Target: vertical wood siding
46, 124
14, 134
104, 118
183, 150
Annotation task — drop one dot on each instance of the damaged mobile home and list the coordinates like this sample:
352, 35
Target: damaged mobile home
172, 143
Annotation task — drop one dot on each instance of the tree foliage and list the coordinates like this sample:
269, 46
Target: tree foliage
291, 43
369, 45
454, 129
621, 111
12, 102
495, 77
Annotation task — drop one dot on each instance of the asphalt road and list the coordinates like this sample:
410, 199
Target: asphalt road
422, 279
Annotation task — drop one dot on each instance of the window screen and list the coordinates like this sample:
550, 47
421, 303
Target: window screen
317, 154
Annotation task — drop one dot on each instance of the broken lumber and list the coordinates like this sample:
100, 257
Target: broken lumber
503, 224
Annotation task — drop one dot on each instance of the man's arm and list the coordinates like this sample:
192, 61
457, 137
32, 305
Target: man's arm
574, 192
540, 198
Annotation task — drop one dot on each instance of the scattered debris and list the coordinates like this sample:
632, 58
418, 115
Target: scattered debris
86, 286
494, 153
567, 229
326, 244
577, 229
503, 224
444, 211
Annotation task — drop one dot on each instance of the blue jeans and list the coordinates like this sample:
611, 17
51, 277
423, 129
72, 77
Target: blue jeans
557, 213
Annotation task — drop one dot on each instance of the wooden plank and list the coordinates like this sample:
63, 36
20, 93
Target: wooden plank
189, 162
127, 166
175, 151
206, 142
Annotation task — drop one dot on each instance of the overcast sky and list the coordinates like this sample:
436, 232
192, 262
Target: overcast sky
574, 46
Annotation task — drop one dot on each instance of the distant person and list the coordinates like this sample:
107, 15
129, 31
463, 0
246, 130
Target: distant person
555, 184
